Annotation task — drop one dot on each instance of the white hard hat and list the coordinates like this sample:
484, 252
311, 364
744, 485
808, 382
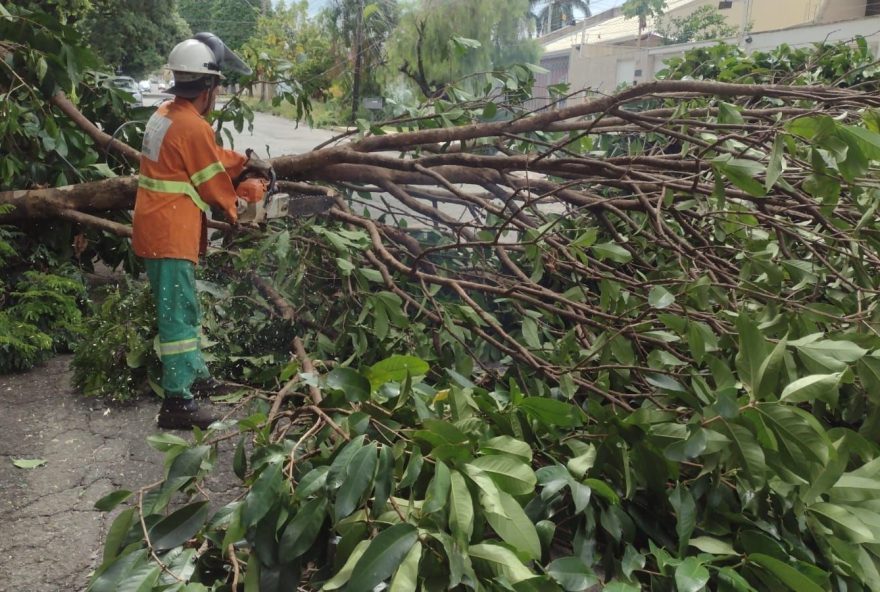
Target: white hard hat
192, 57
196, 64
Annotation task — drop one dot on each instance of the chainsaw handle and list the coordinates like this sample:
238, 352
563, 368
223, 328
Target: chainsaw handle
272, 179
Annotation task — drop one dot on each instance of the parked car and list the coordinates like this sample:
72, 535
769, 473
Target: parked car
127, 84
162, 87
145, 86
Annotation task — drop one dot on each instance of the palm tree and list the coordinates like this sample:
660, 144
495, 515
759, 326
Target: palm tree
643, 9
550, 15
362, 26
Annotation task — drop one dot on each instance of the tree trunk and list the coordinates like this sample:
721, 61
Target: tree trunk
358, 58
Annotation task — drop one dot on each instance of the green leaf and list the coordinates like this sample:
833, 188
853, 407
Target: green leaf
777, 163
868, 369
349, 381
490, 495
713, 546
500, 561
382, 558
109, 579
618, 586
752, 348
396, 369
312, 482
515, 528
611, 251
141, 579
602, 489
438, 489
301, 532
406, 577
660, 297
579, 465
188, 463
344, 574
111, 500
795, 580
384, 480
260, 499
734, 581
359, 479
768, 372
239, 460
165, 441
507, 445
28, 463
117, 534
413, 469
741, 172
813, 387
747, 451
686, 515
341, 462
691, 576
179, 526
511, 475
798, 431
632, 560
683, 450
845, 523
551, 411
828, 355
461, 509
572, 574
530, 333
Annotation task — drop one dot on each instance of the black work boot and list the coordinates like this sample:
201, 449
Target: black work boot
177, 413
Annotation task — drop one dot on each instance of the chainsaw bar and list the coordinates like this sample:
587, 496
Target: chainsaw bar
308, 205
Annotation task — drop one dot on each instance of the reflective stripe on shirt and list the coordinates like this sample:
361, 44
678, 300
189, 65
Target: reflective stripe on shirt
174, 187
207, 173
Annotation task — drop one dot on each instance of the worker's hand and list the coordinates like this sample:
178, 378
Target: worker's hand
256, 167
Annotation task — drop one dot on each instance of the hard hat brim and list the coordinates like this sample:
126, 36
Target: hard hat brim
185, 93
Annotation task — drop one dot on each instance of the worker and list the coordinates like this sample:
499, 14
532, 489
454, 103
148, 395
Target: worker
183, 175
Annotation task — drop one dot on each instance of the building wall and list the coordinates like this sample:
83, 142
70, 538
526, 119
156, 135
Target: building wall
867, 27
557, 71
840, 10
769, 15
595, 67
599, 67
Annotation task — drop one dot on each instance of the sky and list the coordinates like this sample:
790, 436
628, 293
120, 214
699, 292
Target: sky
596, 6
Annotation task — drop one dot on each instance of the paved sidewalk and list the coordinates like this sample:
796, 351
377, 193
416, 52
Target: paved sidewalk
50, 535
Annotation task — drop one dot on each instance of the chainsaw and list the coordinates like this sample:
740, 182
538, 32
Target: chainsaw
259, 199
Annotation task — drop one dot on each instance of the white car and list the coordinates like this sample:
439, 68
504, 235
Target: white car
145, 86
127, 84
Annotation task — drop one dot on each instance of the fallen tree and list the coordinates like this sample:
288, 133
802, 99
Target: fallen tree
565, 221
631, 340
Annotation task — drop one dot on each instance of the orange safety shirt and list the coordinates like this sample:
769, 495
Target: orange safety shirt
183, 174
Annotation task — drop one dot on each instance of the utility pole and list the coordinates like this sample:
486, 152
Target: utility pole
747, 15
358, 42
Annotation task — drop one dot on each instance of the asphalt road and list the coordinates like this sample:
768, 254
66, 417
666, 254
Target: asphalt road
271, 136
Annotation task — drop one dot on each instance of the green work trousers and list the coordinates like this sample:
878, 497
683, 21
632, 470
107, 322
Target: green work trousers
173, 283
